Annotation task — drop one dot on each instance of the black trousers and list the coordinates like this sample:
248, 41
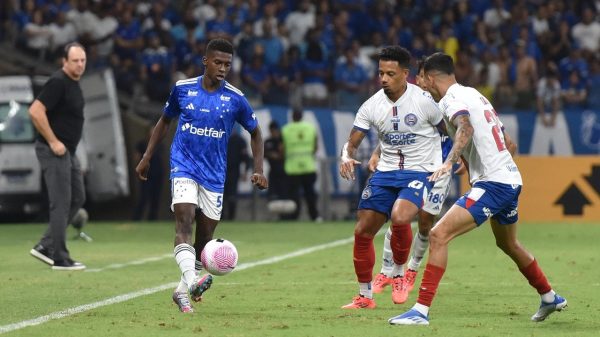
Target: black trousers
149, 198
307, 183
66, 195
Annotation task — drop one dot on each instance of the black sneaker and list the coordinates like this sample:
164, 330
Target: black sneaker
68, 265
41, 253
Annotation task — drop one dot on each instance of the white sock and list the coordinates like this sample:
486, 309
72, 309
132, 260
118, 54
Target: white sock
365, 289
182, 286
548, 297
421, 308
387, 261
185, 255
398, 270
419, 247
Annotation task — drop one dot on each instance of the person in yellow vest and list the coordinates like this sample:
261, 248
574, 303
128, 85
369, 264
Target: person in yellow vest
299, 147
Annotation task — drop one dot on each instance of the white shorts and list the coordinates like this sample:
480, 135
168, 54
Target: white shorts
437, 196
187, 191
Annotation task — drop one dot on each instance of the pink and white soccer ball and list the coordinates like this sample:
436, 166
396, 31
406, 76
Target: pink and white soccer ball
219, 257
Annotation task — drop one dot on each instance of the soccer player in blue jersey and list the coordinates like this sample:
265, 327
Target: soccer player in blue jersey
207, 108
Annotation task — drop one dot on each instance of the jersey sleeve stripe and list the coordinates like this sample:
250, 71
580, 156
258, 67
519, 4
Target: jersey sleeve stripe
361, 129
234, 89
458, 113
187, 81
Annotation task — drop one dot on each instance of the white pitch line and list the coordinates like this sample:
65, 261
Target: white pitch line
132, 263
149, 291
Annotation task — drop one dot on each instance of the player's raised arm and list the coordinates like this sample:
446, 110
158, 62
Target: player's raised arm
464, 134
158, 134
348, 152
256, 144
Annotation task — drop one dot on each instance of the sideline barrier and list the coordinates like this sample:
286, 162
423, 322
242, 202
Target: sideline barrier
558, 189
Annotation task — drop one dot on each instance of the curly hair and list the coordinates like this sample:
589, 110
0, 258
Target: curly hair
396, 53
221, 45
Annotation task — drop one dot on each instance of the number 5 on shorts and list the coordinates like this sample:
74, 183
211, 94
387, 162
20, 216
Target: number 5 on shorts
219, 201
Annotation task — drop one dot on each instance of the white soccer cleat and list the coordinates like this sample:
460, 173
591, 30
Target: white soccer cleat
182, 301
411, 317
546, 309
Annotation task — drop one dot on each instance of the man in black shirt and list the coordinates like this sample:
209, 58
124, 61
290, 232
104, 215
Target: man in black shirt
274, 154
57, 114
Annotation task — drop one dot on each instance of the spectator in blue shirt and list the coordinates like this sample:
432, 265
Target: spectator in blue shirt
255, 77
315, 70
574, 92
156, 69
220, 27
285, 80
594, 84
128, 37
189, 25
239, 13
573, 62
272, 45
350, 81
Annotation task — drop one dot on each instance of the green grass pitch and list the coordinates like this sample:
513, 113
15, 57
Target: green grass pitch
482, 293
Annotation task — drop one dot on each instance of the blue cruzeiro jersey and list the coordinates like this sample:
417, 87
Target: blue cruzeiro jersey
206, 119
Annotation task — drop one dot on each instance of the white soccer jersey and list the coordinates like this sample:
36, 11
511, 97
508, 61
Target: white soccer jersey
406, 129
487, 155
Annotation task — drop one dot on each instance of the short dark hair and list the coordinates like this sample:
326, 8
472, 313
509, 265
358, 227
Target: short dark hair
297, 114
273, 125
221, 45
68, 47
440, 62
396, 53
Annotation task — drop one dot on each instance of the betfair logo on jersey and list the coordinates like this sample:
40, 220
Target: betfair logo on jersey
400, 138
192, 93
205, 132
225, 98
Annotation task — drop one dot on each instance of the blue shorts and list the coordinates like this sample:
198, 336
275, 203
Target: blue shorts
384, 188
488, 199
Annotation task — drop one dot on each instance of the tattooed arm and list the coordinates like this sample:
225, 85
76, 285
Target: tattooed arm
464, 133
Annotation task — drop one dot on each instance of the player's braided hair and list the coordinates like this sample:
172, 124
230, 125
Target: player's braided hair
439, 62
221, 45
396, 53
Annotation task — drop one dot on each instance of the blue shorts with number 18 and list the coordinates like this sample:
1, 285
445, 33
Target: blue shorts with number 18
488, 199
384, 188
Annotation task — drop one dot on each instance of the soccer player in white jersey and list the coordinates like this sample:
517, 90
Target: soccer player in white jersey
207, 107
431, 209
496, 185
405, 119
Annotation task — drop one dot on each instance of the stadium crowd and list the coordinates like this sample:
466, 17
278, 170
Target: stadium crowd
323, 53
